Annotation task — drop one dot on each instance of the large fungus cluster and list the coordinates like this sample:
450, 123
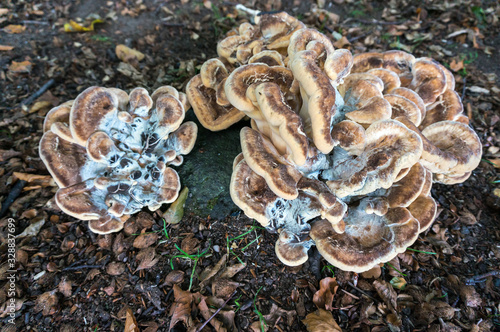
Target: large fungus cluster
110, 152
342, 151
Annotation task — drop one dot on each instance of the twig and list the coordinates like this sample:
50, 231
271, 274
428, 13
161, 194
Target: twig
36, 22
464, 89
37, 94
81, 267
215, 313
14, 193
174, 25
380, 22
361, 291
478, 278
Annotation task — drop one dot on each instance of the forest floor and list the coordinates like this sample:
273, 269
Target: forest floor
69, 279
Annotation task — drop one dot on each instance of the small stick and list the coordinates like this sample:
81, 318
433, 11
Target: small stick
361, 291
74, 268
14, 193
215, 313
476, 279
37, 94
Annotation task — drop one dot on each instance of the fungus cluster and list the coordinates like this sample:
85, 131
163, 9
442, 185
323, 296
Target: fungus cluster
110, 152
342, 151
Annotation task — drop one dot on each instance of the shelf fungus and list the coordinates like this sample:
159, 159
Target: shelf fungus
343, 150
110, 152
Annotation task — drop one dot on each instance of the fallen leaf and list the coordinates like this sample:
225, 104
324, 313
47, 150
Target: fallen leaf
321, 321
467, 218
175, 212
43, 180
181, 308
65, 287
323, 298
190, 244
7, 154
223, 288
145, 240
5, 308
46, 303
374, 272
34, 227
207, 313
127, 54
72, 26
398, 282
230, 271
495, 162
6, 48
20, 67
146, 258
272, 318
174, 277
115, 268
210, 272
13, 28
456, 65
342, 42
131, 322
3, 11
387, 293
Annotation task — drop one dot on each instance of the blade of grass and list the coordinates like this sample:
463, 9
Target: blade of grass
423, 252
392, 266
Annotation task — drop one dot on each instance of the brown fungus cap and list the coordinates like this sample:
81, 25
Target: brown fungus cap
389, 78
305, 39
429, 80
424, 209
413, 96
277, 29
448, 106
264, 160
350, 136
363, 100
250, 192
57, 114
288, 124
268, 57
241, 83
338, 65
290, 250
318, 97
406, 190
211, 115
64, 160
92, 110
369, 239
390, 147
402, 106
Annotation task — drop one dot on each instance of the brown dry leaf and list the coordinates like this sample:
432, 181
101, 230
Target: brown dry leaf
467, 218
175, 211
115, 268
398, 282
426, 313
272, 318
7, 154
223, 288
342, 42
321, 321
3, 11
207, 314
181, 309
20, 67
131, 322
34, 228
147, 259
230, 271
145, 240
174, 277
209, 272
495, 162
374, 272
43, 180
65, 287
46, 303
387, 293
127, 54
190, 244
6, 48
470, 297
13, 28
6, 307
323, 298
456, 65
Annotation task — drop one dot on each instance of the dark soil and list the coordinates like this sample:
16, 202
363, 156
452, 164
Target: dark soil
65, 273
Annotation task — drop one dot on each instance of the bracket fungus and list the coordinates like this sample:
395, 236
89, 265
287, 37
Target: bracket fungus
342, 150
110, 152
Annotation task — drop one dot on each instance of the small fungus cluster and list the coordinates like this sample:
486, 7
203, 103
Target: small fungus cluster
342, 151
110, 152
